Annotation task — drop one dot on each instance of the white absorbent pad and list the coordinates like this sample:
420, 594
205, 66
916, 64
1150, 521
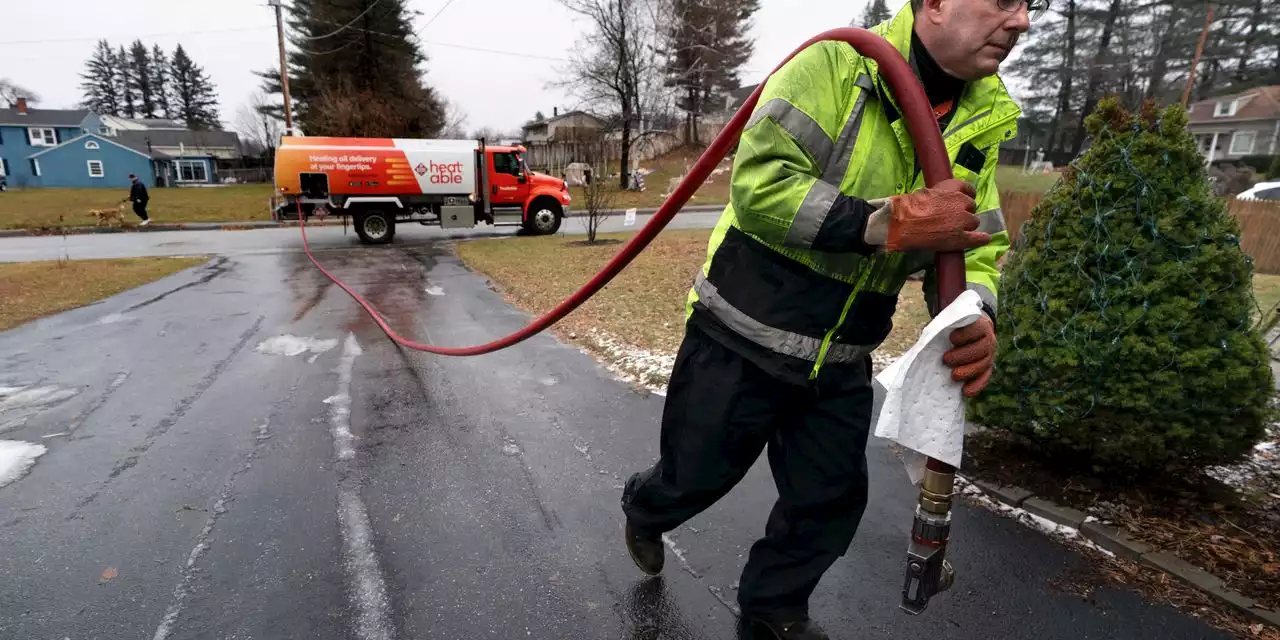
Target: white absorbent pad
917, 404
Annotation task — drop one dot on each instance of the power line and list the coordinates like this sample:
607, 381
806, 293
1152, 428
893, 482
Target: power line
437, 15
345, 26
136, 36
517, 54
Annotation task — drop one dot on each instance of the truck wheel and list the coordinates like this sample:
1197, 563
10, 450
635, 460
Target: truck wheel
544, 218
375, 227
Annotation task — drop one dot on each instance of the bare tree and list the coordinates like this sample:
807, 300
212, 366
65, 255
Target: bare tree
491, 135
598, 198
613, 61
257, 126
455, 122
10, 92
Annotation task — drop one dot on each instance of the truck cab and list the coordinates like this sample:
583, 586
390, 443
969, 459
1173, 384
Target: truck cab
513, 186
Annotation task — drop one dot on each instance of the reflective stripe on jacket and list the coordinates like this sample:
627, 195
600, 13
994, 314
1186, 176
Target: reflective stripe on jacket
827, 124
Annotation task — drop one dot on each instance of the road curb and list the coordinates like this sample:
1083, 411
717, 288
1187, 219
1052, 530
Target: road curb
1118, 542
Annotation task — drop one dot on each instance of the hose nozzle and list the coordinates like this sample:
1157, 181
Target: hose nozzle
928, 571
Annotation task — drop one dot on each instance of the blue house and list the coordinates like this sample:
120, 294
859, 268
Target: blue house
25, 132
78, 148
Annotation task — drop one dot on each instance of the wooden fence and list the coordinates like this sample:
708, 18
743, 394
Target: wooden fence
1259, 225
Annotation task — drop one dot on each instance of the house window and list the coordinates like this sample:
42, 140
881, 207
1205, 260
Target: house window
41, 137
95, 169
35, 167
1242, 143
106, 131
91, 145
1226, 108
192, 171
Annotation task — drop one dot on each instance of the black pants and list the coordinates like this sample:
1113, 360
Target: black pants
140, 209
721, 412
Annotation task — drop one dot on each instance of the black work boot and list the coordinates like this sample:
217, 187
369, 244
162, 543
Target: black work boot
806, 629
647, 551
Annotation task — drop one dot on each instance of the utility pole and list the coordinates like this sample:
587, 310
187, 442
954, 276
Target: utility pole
284, 68
1204, 35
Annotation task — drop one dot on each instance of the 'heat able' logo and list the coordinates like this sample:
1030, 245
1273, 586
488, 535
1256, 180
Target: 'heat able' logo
442, 172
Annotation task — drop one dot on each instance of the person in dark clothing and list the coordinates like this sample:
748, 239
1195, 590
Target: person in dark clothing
828, 215
138, 196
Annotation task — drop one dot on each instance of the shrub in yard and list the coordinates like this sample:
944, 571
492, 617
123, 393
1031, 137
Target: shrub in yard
1125, 330
1274, 172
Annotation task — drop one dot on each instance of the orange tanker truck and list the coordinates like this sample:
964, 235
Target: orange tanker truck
456, 184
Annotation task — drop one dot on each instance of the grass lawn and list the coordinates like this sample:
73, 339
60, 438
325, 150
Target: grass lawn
1266, 288
644, 306
672, 165
33, 290
52, 208
1012, 179
717, 192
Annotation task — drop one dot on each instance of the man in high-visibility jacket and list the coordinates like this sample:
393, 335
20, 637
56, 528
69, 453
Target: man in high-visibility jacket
828, 216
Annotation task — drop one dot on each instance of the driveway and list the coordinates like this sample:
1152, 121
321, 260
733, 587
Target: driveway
236, 451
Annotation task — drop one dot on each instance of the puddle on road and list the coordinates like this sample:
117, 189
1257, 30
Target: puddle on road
17, 458
291, 345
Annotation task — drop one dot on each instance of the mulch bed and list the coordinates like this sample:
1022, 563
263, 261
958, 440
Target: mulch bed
1232, 534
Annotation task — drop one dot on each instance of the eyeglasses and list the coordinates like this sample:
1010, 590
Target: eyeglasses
1035, 8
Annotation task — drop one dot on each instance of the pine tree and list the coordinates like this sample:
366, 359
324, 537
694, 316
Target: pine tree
355, 69
707, 43
1126, 338
877, 12
161, 82
99, 87
125, 83
195, 100
141, 76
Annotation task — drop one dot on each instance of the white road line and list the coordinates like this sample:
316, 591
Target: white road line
340, 402
368, 589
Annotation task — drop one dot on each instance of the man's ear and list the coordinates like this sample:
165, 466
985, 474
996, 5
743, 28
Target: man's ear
932, 10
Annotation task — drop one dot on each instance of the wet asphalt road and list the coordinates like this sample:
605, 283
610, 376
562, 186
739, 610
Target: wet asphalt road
272, 241
197, 487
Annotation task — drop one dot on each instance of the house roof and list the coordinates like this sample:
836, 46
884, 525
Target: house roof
1259, 103
175, 138
562, 116
159, 123
100, 139
43, 117
138, 145
740, 96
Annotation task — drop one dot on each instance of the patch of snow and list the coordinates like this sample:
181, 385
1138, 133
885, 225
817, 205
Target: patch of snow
291, 345
1054, 530
113, 318
1261, 470
16, 459
632, 364
17, 404
434, 291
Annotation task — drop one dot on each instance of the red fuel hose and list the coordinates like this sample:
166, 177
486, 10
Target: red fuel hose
920, 123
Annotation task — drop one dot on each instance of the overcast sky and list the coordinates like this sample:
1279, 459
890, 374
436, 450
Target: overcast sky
232, 38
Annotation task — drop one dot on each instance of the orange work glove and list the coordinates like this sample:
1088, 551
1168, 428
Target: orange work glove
973, 356
940, 218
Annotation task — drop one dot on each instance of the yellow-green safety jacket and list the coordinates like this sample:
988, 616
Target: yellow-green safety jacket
787, 280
